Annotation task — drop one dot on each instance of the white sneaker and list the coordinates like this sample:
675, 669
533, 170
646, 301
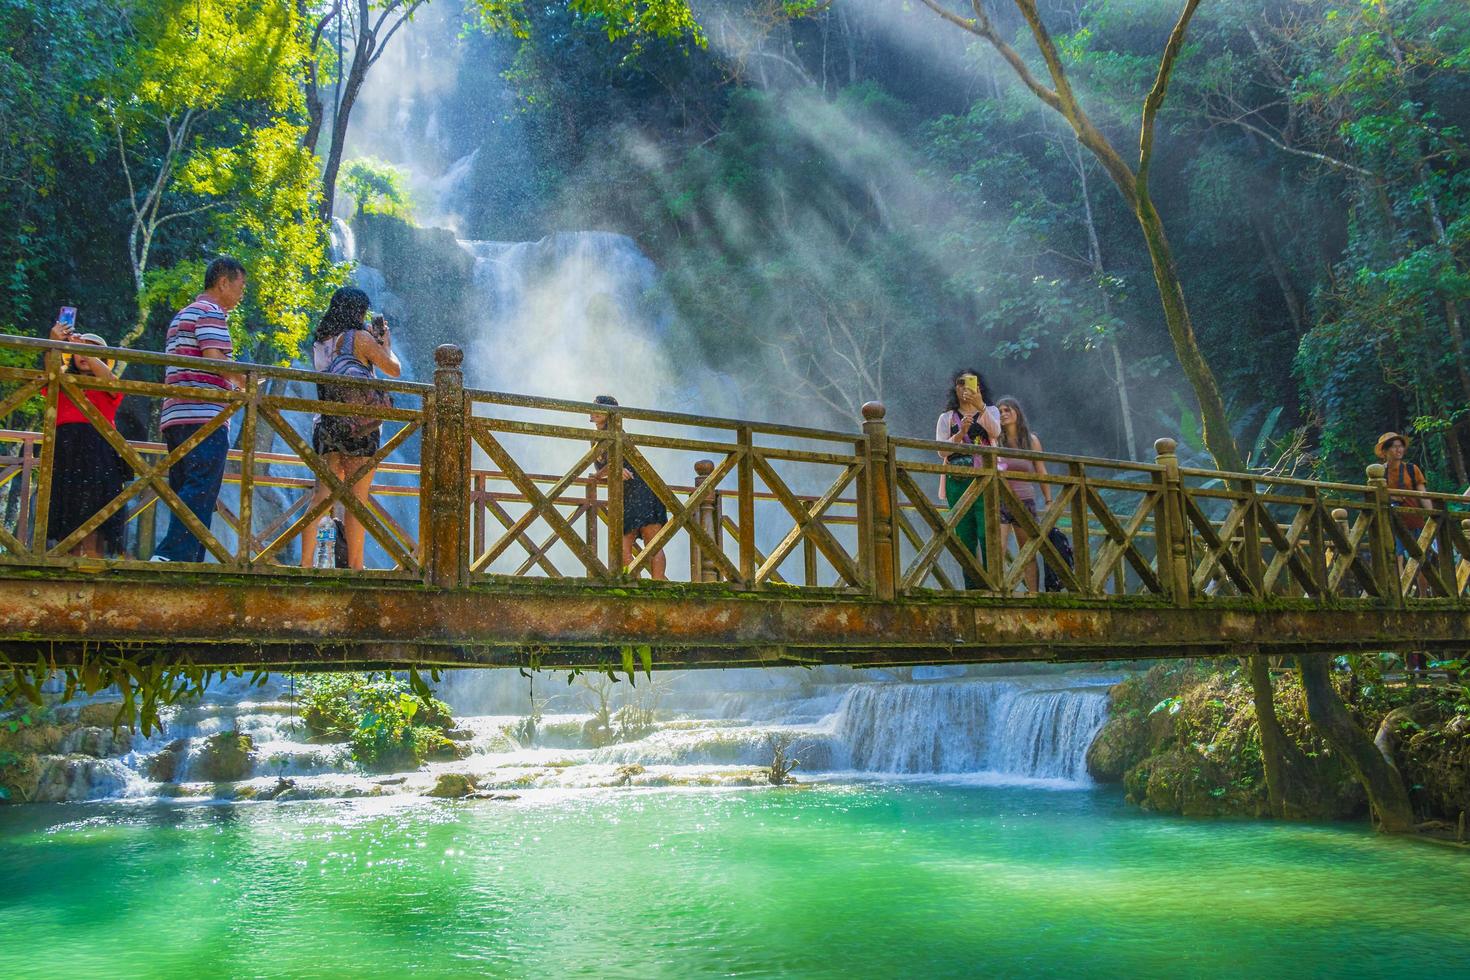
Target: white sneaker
160, 558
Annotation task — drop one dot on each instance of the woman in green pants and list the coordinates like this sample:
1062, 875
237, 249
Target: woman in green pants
968, 420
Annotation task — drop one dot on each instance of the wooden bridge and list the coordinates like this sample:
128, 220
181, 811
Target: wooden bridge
788, 545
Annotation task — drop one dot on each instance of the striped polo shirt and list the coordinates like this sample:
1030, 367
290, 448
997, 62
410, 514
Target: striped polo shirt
196, 328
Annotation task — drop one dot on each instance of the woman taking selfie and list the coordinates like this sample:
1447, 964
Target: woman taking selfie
344, 347
1016, 434
966, 421
644, 515
86, 472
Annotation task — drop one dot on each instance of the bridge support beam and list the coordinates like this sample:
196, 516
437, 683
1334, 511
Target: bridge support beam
225, 620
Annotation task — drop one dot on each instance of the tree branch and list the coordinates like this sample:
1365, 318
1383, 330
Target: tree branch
1161, 87
1322, 158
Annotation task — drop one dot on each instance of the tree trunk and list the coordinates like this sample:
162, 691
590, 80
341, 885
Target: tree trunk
361, 59
1294, 306
1288, 779
1379, 776
1094, 251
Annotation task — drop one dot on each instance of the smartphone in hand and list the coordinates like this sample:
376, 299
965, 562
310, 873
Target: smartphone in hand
67, 317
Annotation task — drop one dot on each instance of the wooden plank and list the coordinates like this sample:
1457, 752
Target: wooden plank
682, 514
150, 474
539, 501
831, 549
337, 490
943, 529
515, 530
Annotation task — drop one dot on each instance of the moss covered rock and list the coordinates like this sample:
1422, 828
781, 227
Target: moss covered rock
1435, 761
225, 757
1182, 739
163, 766
453, 786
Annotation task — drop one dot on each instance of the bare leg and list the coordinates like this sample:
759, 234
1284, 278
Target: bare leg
318, 494
91, 546
628, 540
355, 532
658, 565
1029, 573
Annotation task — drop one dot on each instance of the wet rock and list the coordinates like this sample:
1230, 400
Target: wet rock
43, 739
486, 794
453, 786
391, 781
459, 734
103, 714
99, 742
164, 765
282, 787
447, 751
62, 779
226, 757
624, 774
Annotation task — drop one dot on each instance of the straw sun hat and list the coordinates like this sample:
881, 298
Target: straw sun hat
1379, 448
92, 338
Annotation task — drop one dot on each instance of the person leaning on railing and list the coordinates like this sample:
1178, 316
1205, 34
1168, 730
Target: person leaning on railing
86, 472
967, 421
344, 347
644, 515
1017, 434
199, 330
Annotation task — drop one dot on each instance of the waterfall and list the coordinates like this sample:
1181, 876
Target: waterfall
1014, 728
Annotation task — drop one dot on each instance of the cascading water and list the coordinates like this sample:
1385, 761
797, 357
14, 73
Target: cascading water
1013, 728
572, 315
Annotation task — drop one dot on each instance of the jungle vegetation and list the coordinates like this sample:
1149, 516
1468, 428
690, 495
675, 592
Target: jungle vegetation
1218, 219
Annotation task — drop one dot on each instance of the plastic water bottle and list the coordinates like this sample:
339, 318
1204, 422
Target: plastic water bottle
326, 543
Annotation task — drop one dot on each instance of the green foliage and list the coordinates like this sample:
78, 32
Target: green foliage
377, 188
146, 687
144, 139
640, 20
389, 724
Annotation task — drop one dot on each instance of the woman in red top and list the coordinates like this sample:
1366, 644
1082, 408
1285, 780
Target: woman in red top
86, 472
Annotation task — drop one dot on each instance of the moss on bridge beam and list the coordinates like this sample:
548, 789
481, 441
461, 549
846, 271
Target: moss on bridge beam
290, 622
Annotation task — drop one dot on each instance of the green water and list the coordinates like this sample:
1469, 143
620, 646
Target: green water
827, 881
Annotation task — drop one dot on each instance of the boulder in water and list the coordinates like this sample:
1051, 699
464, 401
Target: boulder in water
164, 766
225, 758
453, 786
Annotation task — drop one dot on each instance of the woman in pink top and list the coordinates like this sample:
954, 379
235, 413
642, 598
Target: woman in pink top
1016, 434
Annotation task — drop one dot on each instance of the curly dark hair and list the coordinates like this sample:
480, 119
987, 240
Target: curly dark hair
345, 312
952, 404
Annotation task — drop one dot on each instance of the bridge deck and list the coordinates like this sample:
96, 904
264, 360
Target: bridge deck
790, 545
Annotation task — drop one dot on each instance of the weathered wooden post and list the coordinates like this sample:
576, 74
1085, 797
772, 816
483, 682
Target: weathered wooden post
1171, 537
1339, 518
1380, 541
881, 498
701, 568
446, 463
614, 471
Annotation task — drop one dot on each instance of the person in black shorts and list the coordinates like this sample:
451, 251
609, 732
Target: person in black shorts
348, 346
643, 513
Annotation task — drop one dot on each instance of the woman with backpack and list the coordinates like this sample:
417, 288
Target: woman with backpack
346, 347
966, 421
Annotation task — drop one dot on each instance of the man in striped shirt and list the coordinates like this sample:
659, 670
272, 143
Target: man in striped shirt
199, 330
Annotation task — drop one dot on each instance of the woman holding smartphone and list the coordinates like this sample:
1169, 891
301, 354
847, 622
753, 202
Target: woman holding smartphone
344, 347
86, 472
967, 420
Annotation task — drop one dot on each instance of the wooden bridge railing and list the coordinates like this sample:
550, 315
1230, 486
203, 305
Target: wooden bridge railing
504, 493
